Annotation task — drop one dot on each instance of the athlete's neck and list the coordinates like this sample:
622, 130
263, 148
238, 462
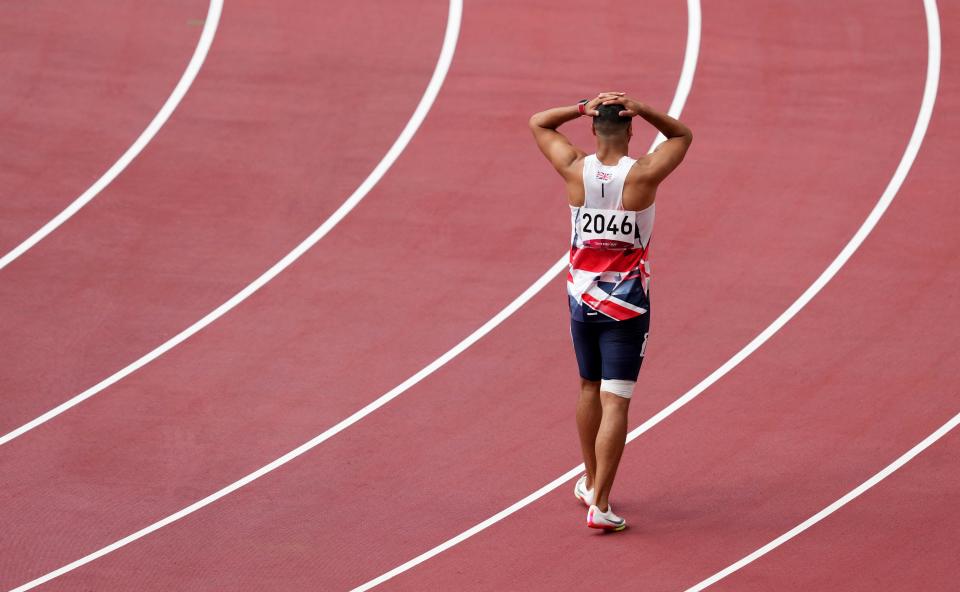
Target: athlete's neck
611, 150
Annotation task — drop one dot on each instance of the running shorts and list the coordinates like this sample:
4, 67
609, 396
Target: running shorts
610, 350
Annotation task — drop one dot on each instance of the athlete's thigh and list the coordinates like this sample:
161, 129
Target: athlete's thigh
586, 344
622, 348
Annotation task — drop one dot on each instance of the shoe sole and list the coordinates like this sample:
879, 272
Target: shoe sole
610, 527
605, 527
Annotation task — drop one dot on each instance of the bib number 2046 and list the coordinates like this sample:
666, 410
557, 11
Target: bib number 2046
607, 225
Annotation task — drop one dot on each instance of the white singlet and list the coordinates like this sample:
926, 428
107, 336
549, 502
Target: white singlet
609, 255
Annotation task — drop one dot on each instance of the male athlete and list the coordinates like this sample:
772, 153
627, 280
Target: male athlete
611, 209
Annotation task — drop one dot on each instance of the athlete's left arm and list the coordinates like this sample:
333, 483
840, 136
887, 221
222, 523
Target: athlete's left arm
669, 154
558, 149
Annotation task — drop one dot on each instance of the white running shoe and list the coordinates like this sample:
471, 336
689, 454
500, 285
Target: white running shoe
582, 493
605, 520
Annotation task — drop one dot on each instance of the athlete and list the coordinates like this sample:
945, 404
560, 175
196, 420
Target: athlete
611, 199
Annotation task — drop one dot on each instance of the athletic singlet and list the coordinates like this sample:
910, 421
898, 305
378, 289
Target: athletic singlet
609, 273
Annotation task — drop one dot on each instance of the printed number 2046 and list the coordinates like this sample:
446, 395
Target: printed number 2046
598, 223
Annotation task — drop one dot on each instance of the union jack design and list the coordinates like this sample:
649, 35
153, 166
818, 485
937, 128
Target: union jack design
609, 276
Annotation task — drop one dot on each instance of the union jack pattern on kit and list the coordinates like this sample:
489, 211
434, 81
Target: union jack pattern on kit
609, 277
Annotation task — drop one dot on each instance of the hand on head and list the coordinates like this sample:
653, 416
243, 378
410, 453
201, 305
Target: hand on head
603, 98
631, 108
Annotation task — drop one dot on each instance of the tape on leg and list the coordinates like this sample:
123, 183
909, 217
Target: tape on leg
620, 388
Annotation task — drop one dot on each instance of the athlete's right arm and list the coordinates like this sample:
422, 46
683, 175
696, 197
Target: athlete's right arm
561, 153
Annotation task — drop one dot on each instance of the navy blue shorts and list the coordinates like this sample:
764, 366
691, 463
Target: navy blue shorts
610, 350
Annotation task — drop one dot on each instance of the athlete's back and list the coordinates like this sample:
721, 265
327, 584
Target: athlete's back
609, 273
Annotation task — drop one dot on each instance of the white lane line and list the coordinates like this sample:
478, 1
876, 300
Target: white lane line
433, 88
419, 114
683, 90
193, 67
929, 95
849, 497
899, 175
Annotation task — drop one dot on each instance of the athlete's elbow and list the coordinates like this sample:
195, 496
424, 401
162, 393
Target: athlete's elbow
685, 135
535, 121
683, 132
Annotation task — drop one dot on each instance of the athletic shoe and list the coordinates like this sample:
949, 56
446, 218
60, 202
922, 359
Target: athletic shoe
605, 520
582, 493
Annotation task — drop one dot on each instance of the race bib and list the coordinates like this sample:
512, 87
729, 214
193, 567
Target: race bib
607, 229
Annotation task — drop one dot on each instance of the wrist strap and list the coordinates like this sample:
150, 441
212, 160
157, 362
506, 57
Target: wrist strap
582, 106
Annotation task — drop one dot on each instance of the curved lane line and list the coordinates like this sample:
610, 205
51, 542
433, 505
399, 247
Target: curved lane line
453, 27
193, 67
684, 85
926, 111
849, 497
899, 175
433, 88
419, 114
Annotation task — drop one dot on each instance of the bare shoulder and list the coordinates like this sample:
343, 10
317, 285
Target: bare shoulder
640, 185
573, 176
573, 168
641, 167
645, 171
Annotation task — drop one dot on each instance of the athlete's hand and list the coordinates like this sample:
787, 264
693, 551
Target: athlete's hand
631, 108
602, 99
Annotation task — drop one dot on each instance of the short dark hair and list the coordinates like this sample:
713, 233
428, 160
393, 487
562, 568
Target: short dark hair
609, 122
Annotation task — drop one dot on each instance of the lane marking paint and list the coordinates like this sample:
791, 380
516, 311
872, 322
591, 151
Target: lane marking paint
433, 88
900, 174
849, 497
193, 67
929, 96
683, 90
419, 114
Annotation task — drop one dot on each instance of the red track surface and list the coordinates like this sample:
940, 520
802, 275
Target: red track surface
254, 158
80, 81
795, 142
903, 536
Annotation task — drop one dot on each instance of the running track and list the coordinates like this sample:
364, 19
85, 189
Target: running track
800, 123
80, 82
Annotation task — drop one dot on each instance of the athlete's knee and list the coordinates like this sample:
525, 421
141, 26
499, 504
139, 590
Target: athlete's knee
620, 388
589, 386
